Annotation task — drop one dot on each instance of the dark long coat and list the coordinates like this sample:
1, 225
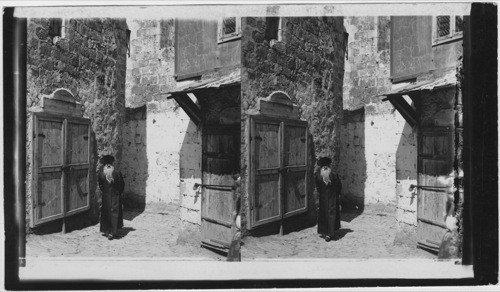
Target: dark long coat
329, 204
111, 208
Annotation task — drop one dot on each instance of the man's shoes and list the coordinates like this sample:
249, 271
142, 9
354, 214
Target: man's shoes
110, 237
327, 238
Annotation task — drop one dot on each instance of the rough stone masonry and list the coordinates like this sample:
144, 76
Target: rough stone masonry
89, 61
307, 64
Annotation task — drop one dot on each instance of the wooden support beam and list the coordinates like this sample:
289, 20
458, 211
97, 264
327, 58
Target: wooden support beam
191, 109
404, 109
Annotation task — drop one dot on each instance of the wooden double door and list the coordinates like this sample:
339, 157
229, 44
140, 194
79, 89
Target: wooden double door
278, 169
61, 167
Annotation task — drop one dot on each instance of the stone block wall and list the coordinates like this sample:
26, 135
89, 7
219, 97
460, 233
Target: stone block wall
89, 61
150, 65
307, 64
372, 131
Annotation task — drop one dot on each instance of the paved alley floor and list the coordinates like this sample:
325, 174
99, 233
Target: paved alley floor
154, 231
362, 236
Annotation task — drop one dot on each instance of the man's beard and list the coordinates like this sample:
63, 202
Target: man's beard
108, 172
325, 174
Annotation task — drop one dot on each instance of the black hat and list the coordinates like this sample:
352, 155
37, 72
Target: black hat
324, 161
107, 159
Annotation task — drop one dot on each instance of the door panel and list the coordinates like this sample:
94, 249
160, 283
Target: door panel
49, 200
50, 143
267, 146
295, 167
77, 149
78, 143
48, 173
78, 189
432, 200
218, 202
220, 161
267, 202
295, 192
295, 138
435, 158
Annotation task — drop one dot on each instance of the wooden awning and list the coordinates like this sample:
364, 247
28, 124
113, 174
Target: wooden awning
396, 96
192, 109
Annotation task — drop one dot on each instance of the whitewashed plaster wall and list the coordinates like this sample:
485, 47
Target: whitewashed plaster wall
378, 148
170, 140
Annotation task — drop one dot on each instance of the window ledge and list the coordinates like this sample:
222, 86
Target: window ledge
229, 38
446, 40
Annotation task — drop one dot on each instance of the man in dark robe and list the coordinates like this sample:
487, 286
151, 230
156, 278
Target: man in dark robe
111, 184
329, 187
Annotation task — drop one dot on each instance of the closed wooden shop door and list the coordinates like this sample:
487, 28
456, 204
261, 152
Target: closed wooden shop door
278, 169
435, 158
221, 159
61, 165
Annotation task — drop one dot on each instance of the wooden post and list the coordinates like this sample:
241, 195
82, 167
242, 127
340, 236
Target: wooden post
19, 49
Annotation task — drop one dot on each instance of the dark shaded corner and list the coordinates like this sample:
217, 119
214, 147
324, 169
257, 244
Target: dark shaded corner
135, 162
352, 168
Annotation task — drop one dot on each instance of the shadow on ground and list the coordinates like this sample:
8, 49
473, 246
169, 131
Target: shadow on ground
131, 213
339, 234
122, 232
350, 215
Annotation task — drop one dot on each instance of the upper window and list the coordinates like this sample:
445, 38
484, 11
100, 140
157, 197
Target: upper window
57, 29
447, 27
229, 28
273, 29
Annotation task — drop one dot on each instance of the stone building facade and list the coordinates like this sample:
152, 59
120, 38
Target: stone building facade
306, 62
86, 57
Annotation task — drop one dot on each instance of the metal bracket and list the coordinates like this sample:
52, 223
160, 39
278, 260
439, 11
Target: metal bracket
428, 188
66, 168
216, 187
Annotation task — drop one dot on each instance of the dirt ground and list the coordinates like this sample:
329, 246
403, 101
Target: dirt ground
154, 231
365, 235
149, 233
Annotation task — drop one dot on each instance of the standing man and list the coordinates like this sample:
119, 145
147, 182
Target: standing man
329, 187
111, 184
